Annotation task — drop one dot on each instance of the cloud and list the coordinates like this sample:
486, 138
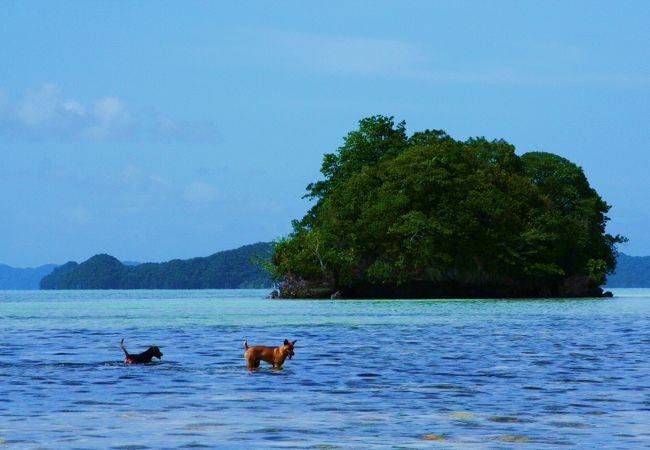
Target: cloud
47, 113
201, 192
170, 129
352, 55
111, 119
137, 179
524, 64
76, 214
520, 76
46, 110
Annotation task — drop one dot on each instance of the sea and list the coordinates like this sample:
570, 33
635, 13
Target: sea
385, 374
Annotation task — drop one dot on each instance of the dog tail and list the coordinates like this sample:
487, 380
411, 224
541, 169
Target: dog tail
245, 345
123, 349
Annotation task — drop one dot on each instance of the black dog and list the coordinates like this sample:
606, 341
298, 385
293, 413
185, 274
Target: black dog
141, 358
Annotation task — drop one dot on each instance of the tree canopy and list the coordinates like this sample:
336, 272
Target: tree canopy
428, 210
230, 269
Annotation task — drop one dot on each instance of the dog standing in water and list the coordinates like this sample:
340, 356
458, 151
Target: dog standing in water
272, 355
141, 358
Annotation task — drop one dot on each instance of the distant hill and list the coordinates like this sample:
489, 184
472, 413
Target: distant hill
229, 269
631, 271
18, 278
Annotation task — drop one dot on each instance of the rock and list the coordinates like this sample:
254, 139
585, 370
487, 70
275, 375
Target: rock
579, 286
300, 288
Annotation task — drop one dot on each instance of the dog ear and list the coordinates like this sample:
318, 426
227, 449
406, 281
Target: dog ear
294, 342
286, 342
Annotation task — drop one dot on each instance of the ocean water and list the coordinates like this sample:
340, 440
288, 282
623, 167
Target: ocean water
367, 374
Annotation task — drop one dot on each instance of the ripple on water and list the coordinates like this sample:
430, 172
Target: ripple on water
478, 373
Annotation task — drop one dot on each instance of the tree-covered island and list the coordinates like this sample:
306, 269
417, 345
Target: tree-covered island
430, 216
230, 269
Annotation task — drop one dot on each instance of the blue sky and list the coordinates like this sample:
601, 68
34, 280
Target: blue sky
160, 130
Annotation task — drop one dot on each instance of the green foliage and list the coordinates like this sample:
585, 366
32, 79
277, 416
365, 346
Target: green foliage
578, 213
597, 269
394, 209
56, 278
230, 269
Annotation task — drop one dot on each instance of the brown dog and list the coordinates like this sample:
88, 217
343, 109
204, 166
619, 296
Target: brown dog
272, 355
141, 358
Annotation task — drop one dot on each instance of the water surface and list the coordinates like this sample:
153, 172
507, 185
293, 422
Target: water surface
367, 374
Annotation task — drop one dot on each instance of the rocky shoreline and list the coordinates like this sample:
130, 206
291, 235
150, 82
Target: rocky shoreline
571, 287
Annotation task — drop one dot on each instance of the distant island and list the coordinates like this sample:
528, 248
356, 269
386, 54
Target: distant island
13, 278
230, 269
631, 272
427, 216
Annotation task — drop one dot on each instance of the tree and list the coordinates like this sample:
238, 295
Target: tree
580, 215
433, 211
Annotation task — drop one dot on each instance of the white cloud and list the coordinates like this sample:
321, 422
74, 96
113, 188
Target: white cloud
131, 176
74, 107
46, 113
167, 128
110, 120
45, 108
76, 214
135, 178
201, 192
348, 54
160, 181
552, 64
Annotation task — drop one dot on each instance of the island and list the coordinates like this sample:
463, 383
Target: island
429, 216
231, 269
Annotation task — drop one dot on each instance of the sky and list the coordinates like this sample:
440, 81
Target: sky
156, 130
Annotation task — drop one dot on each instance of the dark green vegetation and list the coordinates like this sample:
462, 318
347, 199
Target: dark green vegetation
230, 269
631, 272
27, 278
426, 215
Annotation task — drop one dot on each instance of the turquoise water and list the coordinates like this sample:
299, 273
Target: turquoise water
367, 374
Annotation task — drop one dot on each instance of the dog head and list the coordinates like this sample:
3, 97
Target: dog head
155, 351
288, 348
